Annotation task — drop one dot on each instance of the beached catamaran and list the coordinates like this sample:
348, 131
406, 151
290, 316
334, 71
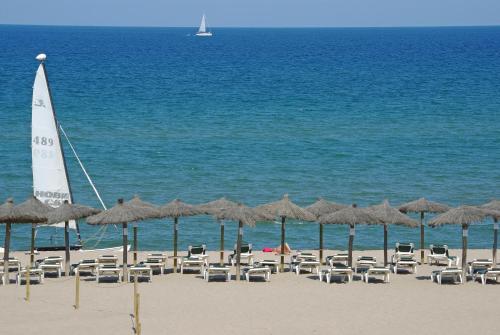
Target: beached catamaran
202, 31
51, 183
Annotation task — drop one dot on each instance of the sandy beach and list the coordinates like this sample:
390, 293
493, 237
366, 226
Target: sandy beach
288, 304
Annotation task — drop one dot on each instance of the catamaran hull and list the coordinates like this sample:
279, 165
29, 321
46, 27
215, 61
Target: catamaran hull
59, 248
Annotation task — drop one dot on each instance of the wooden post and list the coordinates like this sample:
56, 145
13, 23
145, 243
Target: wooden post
77, 290
282, 262
385, 245
495, 241
66, 249
32, 249
351, 242
176, 220
137, 319
125, 251
136, 303
238, 249
465, 233
28, 277
222, 242
6, 277
135, 243
321, 243
422, 244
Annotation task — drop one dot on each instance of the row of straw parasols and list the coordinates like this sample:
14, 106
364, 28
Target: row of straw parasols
325, 212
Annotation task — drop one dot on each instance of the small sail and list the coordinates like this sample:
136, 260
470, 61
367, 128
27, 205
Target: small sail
50, 179
203, 26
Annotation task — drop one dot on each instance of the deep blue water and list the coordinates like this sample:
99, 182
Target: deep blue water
354, 115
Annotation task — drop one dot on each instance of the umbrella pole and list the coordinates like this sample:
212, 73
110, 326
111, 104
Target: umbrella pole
6, 278
32, 250
282, 262
465, 233
385, 245
422, 238
66, 248
238, 249
222, 242
321, 243
176, 219
495, 241
125, 251
351, 242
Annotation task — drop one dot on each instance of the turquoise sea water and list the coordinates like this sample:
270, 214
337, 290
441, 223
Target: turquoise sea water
353, 115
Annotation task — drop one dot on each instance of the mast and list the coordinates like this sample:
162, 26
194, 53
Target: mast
41, 58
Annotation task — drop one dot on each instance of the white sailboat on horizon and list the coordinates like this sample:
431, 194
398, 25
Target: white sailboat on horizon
202, 31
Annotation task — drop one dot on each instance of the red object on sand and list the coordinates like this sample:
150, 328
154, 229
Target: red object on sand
267, 250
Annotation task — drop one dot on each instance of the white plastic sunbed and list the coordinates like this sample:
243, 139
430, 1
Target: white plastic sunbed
407, 262
363, 263
439, 254
33, 273
248, 271
140, 270
453, 273
87, 265
377, 271
246, 255
217, 270
108, 270
485, 274
192, 262
337, 258
52, 264
478, 265
336, 270
403, 250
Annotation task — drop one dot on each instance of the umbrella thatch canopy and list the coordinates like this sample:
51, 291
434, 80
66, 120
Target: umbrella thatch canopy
388, 216
494, 205
464, 216
284, 209
423, 206
65, 213
245, 216
136, 201
319, 208
176, 209
34, 208
10, 214
122, 214
213, 208
350, 216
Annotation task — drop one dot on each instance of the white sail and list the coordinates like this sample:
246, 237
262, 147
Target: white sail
50, 179
203, 26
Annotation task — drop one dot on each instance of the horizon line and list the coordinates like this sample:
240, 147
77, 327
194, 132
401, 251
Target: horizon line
257, 27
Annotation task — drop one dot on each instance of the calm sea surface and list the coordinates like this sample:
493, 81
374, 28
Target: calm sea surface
353, 115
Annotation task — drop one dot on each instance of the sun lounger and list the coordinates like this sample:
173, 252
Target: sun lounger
2, 277
246, 256
485, 274
33, 273
403, 261
337, 258
87, 266
52, 264
478, 265
14, 264
305, 256
193, 262
403, 250
217, 270
108, 260
156, 263
310, 265
377, 271
108, 270
271, 263
248, 271
439, 254
453, 273
162, 257
140, 270
336, 270
363, 263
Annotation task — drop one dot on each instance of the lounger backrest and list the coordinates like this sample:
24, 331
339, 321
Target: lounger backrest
404, 247
439, 249
196, 250
366, 258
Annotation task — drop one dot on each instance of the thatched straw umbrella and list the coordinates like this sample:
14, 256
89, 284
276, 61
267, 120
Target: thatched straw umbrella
175, 209
34, 208
350, 216
494, 205
10, 214
319, 208
284, 209
65, 213
122, 214
389, 215
154, 214
245, 216
464, 216
422, 206
213, 208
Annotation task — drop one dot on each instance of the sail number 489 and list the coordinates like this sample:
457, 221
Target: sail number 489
43, 141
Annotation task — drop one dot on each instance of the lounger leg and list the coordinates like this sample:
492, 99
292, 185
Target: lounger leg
247, 275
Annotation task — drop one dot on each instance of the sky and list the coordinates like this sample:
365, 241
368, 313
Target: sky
252, 13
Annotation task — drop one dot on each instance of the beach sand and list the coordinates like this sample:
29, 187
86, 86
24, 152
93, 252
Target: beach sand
289, 304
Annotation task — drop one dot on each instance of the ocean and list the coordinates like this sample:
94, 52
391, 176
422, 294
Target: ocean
351, 115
